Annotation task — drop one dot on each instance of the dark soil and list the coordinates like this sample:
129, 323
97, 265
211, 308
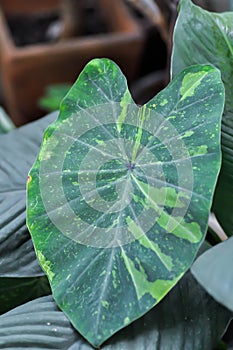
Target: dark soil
27, 30
94, 22
32, 30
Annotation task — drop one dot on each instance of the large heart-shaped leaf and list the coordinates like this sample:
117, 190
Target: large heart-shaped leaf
213, 270
203, 37
119, 197
188, 318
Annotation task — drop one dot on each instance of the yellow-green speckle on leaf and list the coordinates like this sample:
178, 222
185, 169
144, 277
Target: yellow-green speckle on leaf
190, 82
46, 265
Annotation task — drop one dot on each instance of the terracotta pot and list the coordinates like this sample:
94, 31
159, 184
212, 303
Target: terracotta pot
16, 7
26, 71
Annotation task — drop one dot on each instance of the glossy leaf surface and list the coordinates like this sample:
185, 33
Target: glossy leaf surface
213, 270
203, 37
117, 205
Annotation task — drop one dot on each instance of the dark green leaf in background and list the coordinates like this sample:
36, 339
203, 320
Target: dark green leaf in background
117, 205
37, 325
213, 270
203, 37
17, 291
188, 318
18, 150
18, 264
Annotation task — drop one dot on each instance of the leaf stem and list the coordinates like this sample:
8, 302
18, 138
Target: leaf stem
215, 226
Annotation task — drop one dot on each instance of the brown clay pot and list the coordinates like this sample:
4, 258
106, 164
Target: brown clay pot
17, 7
26, 71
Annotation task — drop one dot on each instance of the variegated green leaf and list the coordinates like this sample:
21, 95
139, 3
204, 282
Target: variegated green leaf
203, 37
119, 196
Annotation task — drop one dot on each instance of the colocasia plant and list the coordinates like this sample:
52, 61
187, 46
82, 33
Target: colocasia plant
117, 206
